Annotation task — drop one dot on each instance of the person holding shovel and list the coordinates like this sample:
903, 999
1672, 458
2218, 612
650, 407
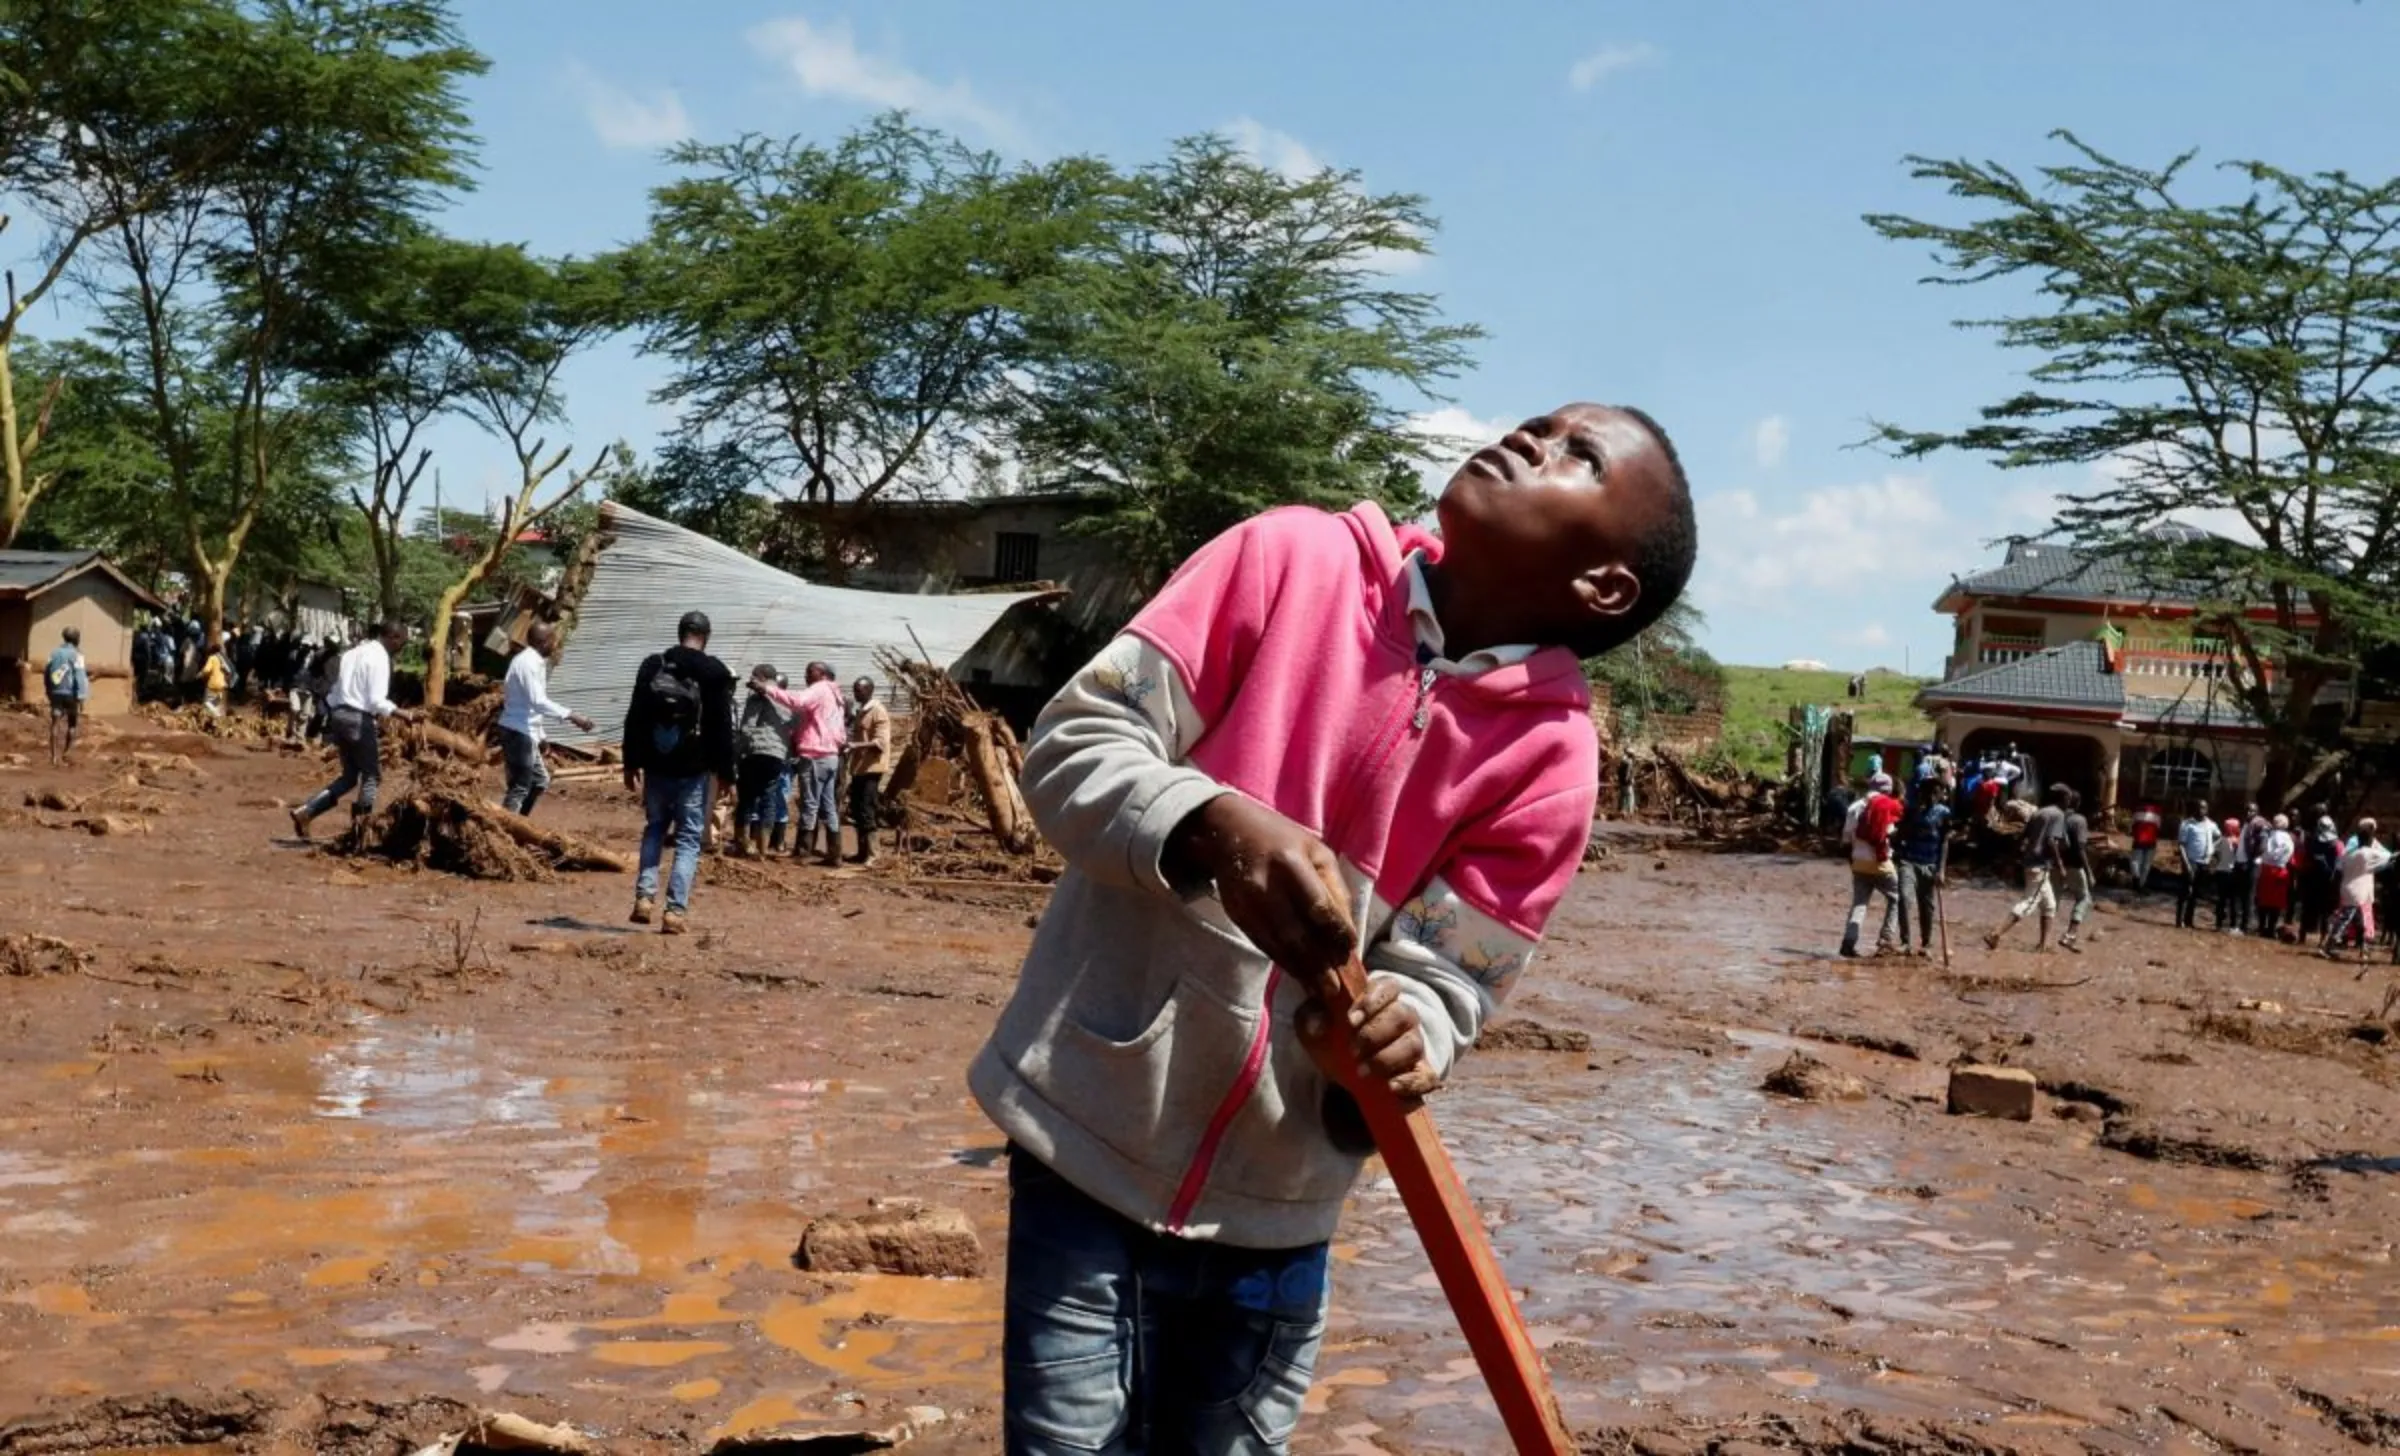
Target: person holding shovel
1327, 736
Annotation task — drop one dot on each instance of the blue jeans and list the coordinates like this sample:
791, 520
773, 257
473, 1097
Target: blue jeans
1121, 1340
783, 797
680, 804
817, 799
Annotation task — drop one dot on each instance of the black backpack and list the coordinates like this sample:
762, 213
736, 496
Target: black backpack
674, 703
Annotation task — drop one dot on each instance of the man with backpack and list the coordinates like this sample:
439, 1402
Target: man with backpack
69, 686
678, 734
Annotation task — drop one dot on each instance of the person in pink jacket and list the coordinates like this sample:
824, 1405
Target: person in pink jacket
1327, 735
819, 732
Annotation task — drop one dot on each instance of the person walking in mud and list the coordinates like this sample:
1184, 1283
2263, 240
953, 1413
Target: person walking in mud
1919, 856
68, 685
2196, 839
525, 701
355, 711
870, 755
2044, 860
2075, 853
2354, 917
679, 749
1871, 821
1231, 840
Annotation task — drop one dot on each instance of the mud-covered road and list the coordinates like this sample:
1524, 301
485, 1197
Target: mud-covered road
329, 1152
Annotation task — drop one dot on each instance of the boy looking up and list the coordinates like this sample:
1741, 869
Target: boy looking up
1327, 735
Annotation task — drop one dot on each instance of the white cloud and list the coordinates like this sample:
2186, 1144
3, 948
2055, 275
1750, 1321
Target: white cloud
1609, 60
622, 118
1278, 151
1836, 540
826, 61
1769, 438
1453, 434
1874, 634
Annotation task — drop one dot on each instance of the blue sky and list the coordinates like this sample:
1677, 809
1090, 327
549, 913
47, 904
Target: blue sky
1650, 203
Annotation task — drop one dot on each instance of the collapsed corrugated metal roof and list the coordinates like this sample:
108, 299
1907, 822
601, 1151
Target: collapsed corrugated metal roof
651, 572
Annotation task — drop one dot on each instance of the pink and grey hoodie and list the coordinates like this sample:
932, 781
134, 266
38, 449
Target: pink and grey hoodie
1148, 1055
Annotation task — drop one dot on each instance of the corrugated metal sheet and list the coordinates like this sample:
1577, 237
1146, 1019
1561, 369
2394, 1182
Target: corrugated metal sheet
653, 572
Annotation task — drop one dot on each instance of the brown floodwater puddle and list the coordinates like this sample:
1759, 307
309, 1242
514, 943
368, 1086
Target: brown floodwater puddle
580, 1210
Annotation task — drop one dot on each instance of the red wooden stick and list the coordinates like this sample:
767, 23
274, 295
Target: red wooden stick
1454, 1237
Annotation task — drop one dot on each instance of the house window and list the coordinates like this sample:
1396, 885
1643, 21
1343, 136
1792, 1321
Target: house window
2177, 773
1016, 556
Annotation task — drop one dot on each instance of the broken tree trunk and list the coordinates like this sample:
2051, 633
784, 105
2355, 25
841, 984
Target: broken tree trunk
456, 745
987, 763
569, 853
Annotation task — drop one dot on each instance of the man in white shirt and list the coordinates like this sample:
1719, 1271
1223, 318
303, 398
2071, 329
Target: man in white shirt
361, 699
525, 702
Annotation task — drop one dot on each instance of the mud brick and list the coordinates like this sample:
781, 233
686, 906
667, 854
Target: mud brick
1992, 1092
925, 1243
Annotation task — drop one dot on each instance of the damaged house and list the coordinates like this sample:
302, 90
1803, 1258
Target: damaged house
645, 573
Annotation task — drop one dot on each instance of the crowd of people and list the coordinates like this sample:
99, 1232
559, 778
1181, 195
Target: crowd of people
175, 661
787, 756
2311, 885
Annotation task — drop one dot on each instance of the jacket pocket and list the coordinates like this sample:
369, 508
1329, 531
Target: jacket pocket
1149, 1094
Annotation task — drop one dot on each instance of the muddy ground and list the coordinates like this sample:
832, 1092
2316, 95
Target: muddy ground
304, 1154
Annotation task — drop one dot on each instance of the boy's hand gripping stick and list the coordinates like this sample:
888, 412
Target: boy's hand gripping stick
1451, 1230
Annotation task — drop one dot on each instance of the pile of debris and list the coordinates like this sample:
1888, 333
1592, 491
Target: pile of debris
1746, 812
266, 722
951, 800
441, 820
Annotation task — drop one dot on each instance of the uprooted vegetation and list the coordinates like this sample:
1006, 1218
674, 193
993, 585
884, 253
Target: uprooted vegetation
440, 820
951, 799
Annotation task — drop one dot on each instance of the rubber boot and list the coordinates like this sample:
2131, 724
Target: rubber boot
775, 840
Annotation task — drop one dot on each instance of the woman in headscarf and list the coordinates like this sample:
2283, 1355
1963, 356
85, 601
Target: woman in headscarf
2275, 877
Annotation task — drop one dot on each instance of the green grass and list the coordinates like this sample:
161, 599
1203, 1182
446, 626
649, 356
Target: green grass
1757, 699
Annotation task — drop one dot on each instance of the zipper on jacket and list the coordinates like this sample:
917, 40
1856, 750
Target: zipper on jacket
1425, 675
1254, 1063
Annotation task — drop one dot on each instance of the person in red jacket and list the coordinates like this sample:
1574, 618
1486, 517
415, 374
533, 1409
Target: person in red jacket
1871, 868
2146, 821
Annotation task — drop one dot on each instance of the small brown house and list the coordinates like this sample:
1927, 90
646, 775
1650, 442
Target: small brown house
42, 593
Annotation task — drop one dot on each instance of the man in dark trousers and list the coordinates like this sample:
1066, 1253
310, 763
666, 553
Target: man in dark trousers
678, 733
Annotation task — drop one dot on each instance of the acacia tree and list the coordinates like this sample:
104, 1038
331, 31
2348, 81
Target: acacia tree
1229, 347
844, 316
346, 123
381, 349
108, 87
518, 320
2233, 354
